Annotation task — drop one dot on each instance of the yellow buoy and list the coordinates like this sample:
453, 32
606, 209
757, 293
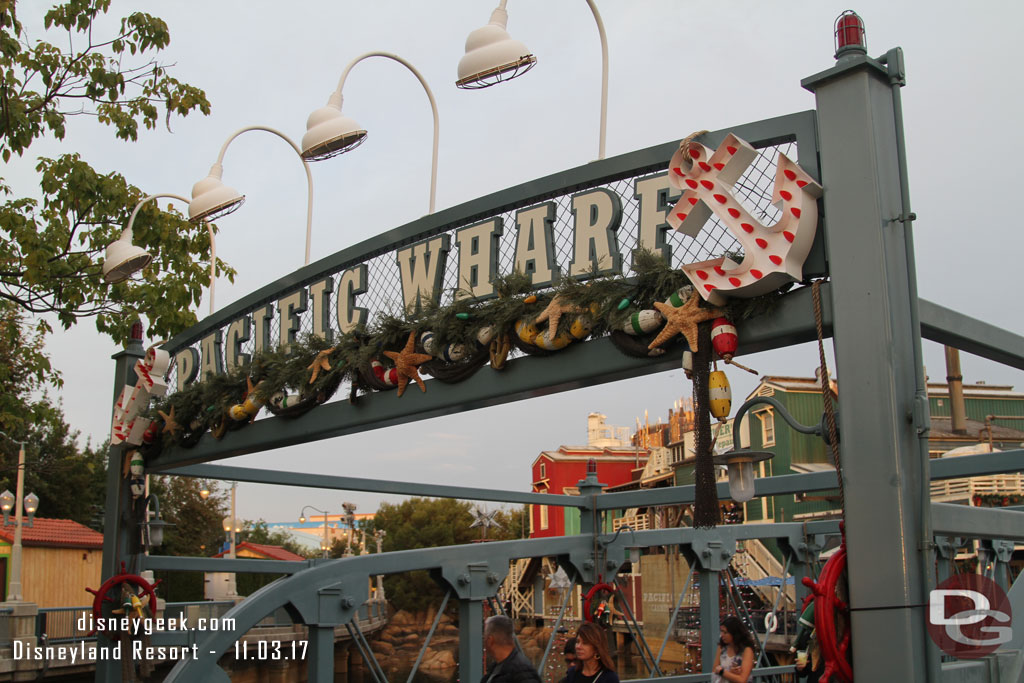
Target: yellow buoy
720, 395
526, 331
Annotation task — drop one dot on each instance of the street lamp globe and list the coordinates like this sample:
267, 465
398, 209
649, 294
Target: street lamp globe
31, 504
227, 524
302, 519
6, 501
204, 493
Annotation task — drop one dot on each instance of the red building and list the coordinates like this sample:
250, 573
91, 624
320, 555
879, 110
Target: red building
561, 471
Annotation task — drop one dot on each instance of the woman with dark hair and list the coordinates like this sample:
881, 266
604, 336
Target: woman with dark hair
593, 661
735, 653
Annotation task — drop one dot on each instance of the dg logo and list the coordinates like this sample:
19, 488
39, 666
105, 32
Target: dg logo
969, 616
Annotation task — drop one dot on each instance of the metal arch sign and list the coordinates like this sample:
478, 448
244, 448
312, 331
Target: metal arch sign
578, 223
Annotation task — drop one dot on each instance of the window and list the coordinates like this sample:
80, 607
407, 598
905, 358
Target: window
543, 471
767, 418
543, 516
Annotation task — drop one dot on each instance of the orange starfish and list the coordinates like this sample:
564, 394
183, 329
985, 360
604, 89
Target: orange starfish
320, 363
169, 423
683, 320
556, 308
406, 361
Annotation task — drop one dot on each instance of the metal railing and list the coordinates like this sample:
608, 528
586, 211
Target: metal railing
64, 624
5, 627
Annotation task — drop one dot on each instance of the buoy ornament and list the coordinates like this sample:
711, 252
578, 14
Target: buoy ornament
719, 395
643, 322
282, 400
388, 376
248, 408
723, 338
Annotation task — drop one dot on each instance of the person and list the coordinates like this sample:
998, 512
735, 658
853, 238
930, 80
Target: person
569, 654
510, 665
735, 653
593, 662
814, 664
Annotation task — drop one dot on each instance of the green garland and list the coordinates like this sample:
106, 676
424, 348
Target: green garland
206, 405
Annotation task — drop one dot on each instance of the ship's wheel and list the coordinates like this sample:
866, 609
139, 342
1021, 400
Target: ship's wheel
144, 589
595, 603
832, 617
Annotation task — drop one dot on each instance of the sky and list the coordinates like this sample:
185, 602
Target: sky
675, 67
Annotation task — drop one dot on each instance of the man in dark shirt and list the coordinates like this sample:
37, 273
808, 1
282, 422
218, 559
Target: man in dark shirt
510, 664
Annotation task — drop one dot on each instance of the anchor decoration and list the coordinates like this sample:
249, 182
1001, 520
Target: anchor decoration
773, 255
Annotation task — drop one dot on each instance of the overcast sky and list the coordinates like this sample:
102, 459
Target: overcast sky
676, 67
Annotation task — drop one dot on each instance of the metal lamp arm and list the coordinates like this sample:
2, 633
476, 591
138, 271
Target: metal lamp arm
337, 98
218, 169
815, 430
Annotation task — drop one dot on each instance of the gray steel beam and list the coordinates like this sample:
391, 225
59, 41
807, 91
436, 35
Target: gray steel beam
586, 364
977, 465
874, 303
320, 658
318, 481
946, 326
975, 522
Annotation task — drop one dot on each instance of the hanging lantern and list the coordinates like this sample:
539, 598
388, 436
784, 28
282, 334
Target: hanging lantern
719, 395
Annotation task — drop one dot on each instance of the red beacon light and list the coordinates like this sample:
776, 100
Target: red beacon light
850, 34
592, 466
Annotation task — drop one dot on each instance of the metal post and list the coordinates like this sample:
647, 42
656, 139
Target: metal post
873, 307
709, 617
117, 529
471, 640
14, 594
321, 654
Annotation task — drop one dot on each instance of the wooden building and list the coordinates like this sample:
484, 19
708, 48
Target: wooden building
60, 559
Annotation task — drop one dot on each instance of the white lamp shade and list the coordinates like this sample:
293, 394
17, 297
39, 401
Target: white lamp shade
212, 199
492, 56
741, 481
330, 133
123, 259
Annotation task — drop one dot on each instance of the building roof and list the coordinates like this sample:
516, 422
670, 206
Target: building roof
54, 533
939, 389
942, 428
603, 454
271, 552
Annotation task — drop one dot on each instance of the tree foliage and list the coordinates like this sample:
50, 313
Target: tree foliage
429, 523
51, 246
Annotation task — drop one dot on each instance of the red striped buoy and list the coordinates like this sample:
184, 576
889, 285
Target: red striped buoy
723, 338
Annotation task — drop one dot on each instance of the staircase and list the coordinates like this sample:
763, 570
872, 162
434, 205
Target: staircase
755, 562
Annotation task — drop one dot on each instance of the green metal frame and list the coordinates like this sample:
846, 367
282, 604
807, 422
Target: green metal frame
865, 247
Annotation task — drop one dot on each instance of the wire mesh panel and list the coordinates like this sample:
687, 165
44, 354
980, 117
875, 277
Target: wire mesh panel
384, 293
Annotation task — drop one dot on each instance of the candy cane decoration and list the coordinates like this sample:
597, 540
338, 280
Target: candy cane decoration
127, 425
773, 255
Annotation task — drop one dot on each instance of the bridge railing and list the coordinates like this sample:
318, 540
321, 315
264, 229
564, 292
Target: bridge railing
64, 624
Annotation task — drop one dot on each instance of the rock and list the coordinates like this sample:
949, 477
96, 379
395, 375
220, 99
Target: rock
441, 659
382, 647
409, 638
403, 618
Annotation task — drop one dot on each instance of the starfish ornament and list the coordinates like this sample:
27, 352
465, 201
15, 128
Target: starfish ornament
320, 363
170, 425
406, 361
554, 312
683, 320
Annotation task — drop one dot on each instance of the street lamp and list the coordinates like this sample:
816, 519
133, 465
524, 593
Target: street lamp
123, 259
325, 546
29, 504
492, 57
350, 520
329, 134
153, 529
212, 199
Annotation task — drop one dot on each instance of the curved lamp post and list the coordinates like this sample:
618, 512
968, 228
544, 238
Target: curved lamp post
302, 520
123, 259
128, 231
329, 133
492, 57
212, 199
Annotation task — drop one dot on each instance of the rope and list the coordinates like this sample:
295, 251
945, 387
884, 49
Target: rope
705, 504
826, 395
